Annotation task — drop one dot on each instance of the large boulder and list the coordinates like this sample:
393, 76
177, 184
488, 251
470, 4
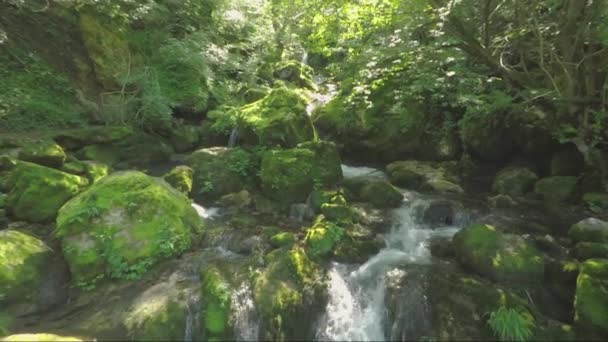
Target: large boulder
38, 192
589, 230
30, 275
499, 256
122, 225
280, 118
514, 181
289, 176
591, 303
219, 171
46, 153
379, 193
596, 201
556, 189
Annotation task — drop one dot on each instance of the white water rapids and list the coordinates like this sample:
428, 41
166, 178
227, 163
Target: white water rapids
356, 307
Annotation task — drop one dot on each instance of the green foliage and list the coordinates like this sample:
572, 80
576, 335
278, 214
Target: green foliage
509, 324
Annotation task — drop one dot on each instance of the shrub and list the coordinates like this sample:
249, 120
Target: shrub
509, 324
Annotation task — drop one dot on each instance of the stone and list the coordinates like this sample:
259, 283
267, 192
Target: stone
499, 256
514, 182
555, 190
589, 230
122, 225
591, 303
180, 177
46, 153
39, 191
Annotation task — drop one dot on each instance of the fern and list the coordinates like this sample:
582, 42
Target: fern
511, 325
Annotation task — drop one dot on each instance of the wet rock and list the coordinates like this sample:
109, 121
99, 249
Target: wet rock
32, 278
216, 293
38, 191
438, 213
589, 230
180, 178
441, 247
289, 294
122, 225
514, 182
417, 175
219, 171
591, 303
379, 193
499, 256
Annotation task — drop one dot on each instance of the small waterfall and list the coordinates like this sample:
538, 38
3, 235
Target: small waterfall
245, 318
234, 137
356, 309
193, 306
304, 59
361, 171
205, 213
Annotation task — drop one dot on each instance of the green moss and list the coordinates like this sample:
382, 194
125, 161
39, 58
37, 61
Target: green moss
280, 118
289, 176
596, 201
514, 181
23, 261
106, 154
5, 324
122, 225
39, 192
45, 153
283, 239
338, 212
217, 297
160, 319
295, 72
106, 47
588, 250
322, 237
497, 255
555, 190
591, 303
219, 171
180, 178
381, 194
106, 135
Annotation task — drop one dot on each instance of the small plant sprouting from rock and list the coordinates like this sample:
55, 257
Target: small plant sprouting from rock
509, 324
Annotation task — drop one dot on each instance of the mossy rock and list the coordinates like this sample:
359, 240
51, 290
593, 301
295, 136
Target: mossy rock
338, 212
319, 197
219, 171
46, 153
39, 191
6, 322
555, 190
499, 256
105, 154
426, 176
92, 170
289, 294
184, 137
180, 177
280, 119
283, 239
590, 250
322, 237
41, 337
356, 247
381, 194
104, 135
288, 176
255, 93
295, 72
596, 201
122, 225
216, 294
514, 182
591, 303
589, 230
24, 261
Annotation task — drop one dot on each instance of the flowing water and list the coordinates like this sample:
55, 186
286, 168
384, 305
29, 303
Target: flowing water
234, 137
356, 309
